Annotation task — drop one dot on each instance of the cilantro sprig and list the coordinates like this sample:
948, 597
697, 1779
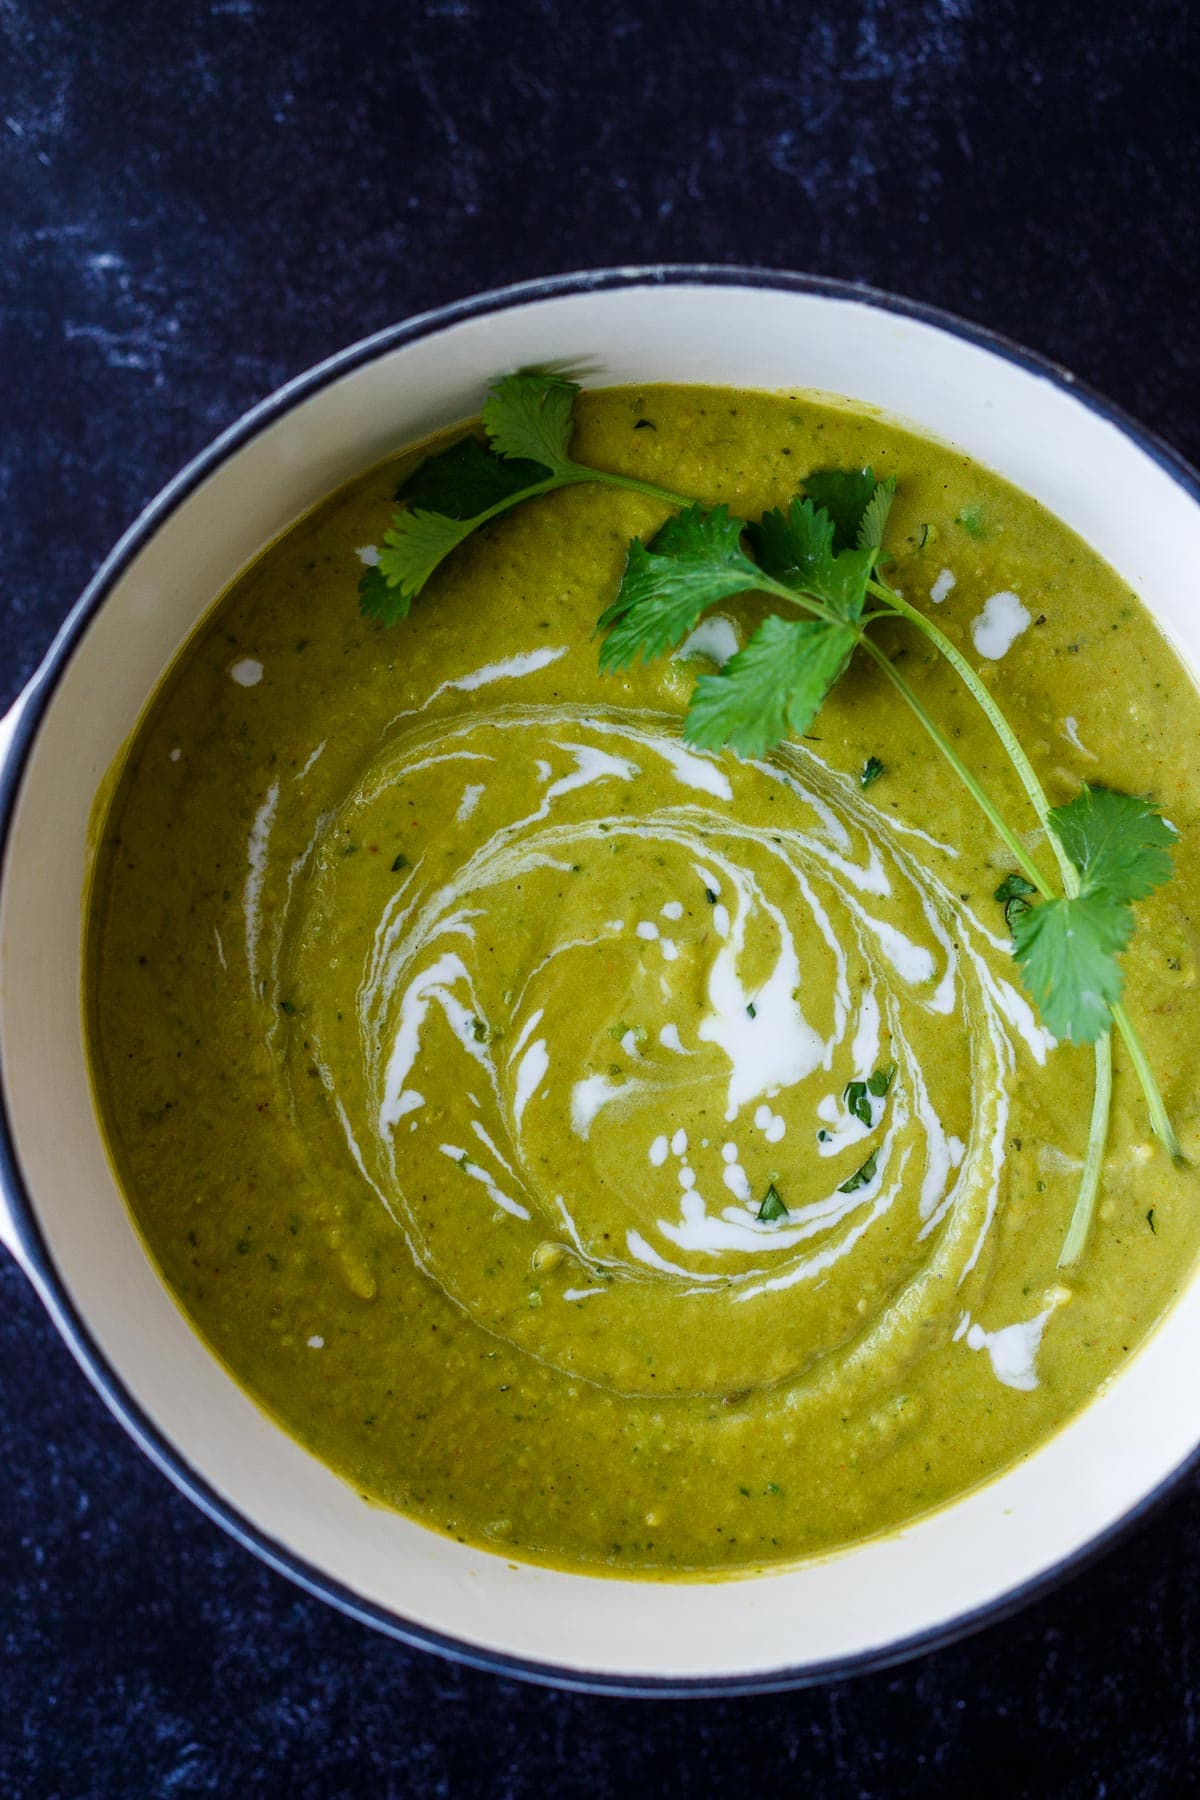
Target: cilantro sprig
529, 421
821, 561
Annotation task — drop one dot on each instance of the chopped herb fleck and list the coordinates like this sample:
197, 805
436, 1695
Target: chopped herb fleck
858, 1101
862, 1175
772, 1207
871, 770
401, 862
1013, 895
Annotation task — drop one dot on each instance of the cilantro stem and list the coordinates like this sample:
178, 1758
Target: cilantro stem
1163, 1128
576, 475
977, 792
632, 484
1000, 725
1089, 1182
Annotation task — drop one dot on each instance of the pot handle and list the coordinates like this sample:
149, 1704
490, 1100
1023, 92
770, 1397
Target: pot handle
9, 1236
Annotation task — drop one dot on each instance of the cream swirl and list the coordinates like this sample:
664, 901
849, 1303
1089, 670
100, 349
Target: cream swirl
607, 992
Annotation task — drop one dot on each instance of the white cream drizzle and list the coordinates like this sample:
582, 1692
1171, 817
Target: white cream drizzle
772, 1125
319, 751
473, 1169
716, 638
530, 1075
1070, 730
999, 625
511, 668
589, 1096
1012, 1350
472, 794
256, 857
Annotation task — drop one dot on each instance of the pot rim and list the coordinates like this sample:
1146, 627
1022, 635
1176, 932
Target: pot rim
34, 1252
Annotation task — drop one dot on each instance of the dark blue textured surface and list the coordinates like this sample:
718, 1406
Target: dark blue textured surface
199, 201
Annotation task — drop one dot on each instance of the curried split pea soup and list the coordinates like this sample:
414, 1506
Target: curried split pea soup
613, 1153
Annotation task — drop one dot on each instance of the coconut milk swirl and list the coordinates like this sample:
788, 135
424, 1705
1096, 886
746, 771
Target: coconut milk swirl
610, 991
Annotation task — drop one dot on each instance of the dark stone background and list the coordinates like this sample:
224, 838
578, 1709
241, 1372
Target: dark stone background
196, 202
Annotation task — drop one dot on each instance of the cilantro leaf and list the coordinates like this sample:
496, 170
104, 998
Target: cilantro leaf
845, 494
777, 683
875, 515
466, 480
870, 772
693, 561
793, 546
413, 546
797, 548
1116, 841
378, 600
528, 415
1067, 949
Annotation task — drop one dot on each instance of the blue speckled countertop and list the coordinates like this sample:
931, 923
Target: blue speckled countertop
199, 200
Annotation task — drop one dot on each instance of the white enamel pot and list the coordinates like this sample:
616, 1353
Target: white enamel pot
65, 1221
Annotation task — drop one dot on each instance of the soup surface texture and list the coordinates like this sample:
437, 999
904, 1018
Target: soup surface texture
452, 1019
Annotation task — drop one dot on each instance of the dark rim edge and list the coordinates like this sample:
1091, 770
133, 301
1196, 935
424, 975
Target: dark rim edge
53, 1290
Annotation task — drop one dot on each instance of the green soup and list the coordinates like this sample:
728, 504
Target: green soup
453, 1022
